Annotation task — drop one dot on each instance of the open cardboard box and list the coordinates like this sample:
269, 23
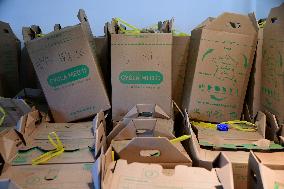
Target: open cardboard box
266, 170
67, 69
63, 176
108, 173
238, 154
142, 111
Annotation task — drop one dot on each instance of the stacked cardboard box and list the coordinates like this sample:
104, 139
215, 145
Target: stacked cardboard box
31, 139
140, 144
67, 70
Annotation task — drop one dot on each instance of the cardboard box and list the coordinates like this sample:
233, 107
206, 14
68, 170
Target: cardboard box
63, 176
8, 184
108, 173
13, 110
180, 57
141, 111
237, 153
9, 60
67, 70
254, 87
272, 89
141, 71
266, 170
221, 56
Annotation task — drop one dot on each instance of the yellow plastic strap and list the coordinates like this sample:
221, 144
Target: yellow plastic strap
181, 138
239, 122
134, 29
261, 24
241, 125
2, 111
204, 124
39, 35
59, 149
112, 155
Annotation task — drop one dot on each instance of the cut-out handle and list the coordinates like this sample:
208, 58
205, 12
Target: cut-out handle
145, 114
274, 20
234, 24
150, 153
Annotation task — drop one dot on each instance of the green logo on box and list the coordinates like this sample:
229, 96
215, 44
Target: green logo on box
68, 76
141, 77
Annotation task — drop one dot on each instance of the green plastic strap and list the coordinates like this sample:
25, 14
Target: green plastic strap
3, 116
134, 29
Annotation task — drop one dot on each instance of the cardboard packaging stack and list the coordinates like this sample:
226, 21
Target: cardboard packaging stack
10, 48
68, 70
138, 147
221, 56
31, 139
225, 82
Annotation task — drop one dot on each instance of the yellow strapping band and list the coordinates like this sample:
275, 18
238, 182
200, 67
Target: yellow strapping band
134, 29
59, 149
2, 111
181, 138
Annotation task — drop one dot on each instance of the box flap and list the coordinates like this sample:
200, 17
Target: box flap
233, 23
133, 151
272, 127
99, 129
63, 176
146, 128
10, 142
154, 176
147, 110
275, 22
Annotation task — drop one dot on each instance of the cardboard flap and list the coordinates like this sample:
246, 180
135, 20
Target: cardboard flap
100, 142
100, 118
233, 23
144, 128
82, 16
224, 171
132, 152
154, 176
275, 19
261, 123
272, 126
29, 33
10, 142
254, 178
147, 110
6, 30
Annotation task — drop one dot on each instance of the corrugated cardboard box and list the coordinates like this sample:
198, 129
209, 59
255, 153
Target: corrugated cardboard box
63, 176
106, 174
272, 89
141, 67
68, 71
179, 62
221, 56
10, 48
237, 152
266, 170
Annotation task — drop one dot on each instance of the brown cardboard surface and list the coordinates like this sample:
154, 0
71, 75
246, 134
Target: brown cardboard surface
266, 170
102, 52
141, 72
59, 176
203, 157
10, 142
131, 150
233, 136
10, 48
221, 56
146, 127
67, 70
254, 86
14, 109
142, 175
180, 52
272, 89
